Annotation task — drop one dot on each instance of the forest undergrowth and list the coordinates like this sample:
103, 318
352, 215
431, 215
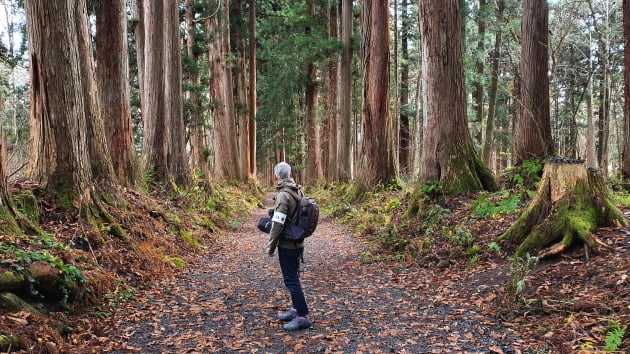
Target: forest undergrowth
570, 303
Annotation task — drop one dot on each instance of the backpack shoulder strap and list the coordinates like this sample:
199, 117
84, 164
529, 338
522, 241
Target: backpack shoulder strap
293, 194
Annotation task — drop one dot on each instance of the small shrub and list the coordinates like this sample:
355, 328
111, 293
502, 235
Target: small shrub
494, 247
614, 335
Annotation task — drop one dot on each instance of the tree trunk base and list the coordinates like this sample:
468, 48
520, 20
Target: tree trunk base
569, 204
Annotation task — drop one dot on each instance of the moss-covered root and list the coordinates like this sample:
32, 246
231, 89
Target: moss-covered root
94, 213
568, 207
12, 303
9, 342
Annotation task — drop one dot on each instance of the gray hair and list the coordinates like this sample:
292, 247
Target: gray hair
282, 170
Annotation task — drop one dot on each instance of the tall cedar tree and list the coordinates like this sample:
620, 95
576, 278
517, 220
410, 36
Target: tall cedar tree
196, 126
344, 131
448, 155
159, 71
377, 160
314, 154
625, 166
403, 148
67, 136
241, 116
113, 79
221, 93
532, 126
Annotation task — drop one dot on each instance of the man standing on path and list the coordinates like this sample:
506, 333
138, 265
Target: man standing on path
289, 251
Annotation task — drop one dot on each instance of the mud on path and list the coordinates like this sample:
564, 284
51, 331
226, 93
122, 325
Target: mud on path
229, 301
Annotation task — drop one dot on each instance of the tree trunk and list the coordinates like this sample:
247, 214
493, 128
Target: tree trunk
237, 52
329, 121
377, 160
159, 64
344, 132
314, 169
448, 154
532, 128
492, 95
625, 164
478, 85
60, 155
196, 126
403, 147
569, 204
251, 127
226, 159
113, 88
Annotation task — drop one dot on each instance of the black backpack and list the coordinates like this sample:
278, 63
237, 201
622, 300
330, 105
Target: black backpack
306, 219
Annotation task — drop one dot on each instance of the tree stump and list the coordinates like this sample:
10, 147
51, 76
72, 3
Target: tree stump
570, 203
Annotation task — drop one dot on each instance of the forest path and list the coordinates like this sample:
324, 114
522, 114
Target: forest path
229, 301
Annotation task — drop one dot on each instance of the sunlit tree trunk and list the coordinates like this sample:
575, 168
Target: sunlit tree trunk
221, 94
59, 155
344, 132
448, 155
532, 130
377, 158
113, 80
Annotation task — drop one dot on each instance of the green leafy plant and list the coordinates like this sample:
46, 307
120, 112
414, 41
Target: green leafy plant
614, 334
484, 207
460, 236
434, 217
366, 257
494, 247
431, 190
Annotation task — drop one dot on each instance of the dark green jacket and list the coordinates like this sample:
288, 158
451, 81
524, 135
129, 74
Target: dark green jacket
284, 210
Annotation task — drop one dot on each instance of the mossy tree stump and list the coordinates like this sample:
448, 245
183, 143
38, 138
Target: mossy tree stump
570, 203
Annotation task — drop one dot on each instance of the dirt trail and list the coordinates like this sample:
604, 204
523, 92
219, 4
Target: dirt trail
229, 301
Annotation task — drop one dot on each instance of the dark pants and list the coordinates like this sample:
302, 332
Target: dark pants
290, 266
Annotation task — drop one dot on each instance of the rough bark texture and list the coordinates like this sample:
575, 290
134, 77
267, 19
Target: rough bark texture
59, 156
377, 159
221, 94
241, 116
159, 66
448, 155
625, 163
314, 169
251, 127
113, 80
492, 95
403, 148
532, 127
479, 67
569, 204
344, 132
329, 121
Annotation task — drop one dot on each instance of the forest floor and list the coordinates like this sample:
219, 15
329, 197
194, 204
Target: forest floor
229, 299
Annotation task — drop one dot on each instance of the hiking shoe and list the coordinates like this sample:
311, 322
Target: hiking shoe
298, 323
288, 315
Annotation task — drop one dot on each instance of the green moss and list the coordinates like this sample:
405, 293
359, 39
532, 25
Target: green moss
190, 239
175, 261
26, 203
172, 218
8, 224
